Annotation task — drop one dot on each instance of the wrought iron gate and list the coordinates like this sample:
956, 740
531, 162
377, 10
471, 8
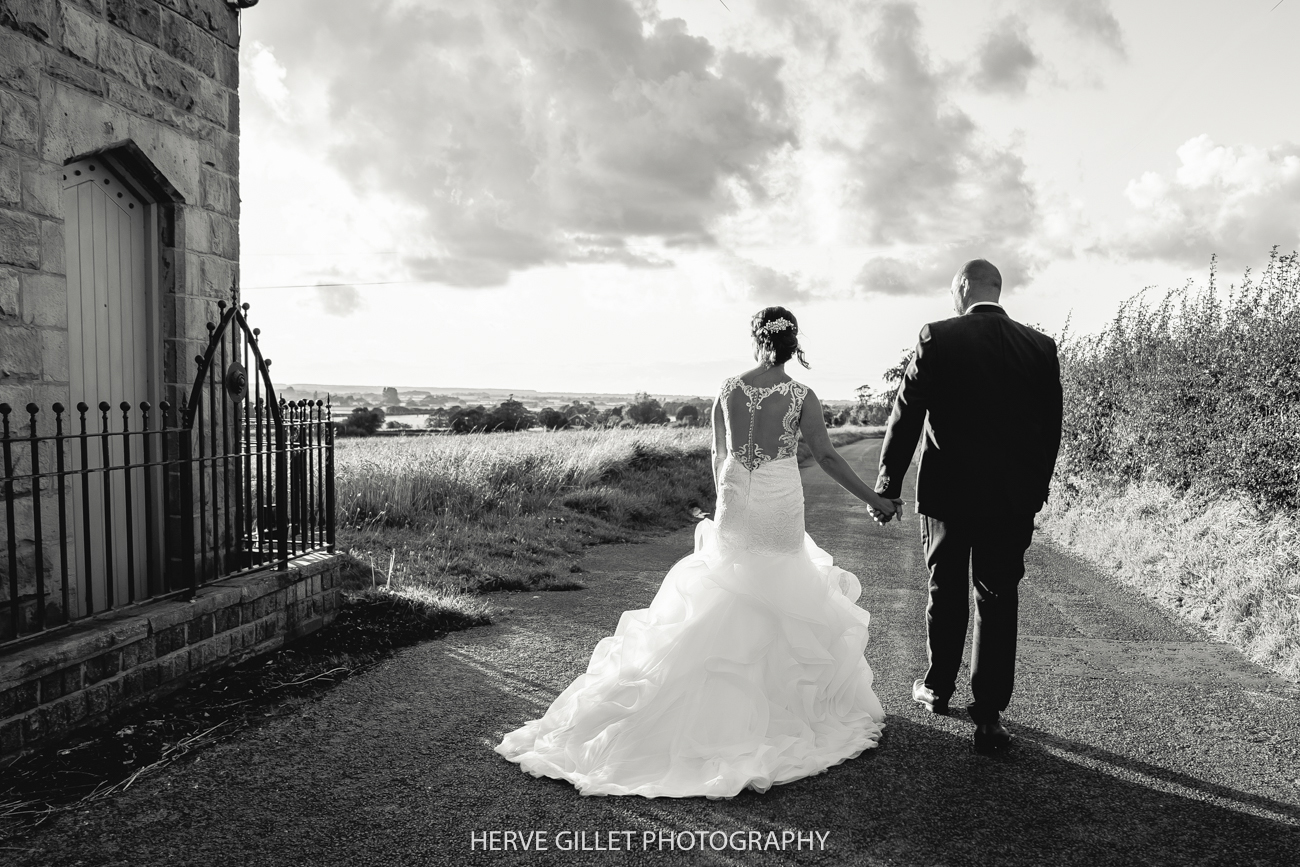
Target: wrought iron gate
232, 480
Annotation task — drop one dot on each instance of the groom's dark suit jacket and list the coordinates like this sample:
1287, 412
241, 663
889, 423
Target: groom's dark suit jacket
987, 391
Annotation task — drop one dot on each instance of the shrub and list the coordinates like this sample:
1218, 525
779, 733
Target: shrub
467, 420
873, 413
873, 409
510, 415
580, 414
363, 422
552, 419
1200, 390
645, 409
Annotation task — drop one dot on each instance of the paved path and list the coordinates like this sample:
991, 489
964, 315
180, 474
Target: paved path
1137, 742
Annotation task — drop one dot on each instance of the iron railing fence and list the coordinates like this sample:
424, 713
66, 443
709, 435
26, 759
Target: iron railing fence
112, 506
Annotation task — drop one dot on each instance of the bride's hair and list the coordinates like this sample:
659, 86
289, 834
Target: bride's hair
777, 345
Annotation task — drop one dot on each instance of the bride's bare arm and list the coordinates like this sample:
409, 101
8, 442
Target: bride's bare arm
813, 427
719, 443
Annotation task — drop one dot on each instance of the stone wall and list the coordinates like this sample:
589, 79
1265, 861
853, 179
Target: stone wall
77, 77
85, 674
153, 84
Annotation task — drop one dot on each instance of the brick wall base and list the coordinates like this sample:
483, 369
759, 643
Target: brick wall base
84, 675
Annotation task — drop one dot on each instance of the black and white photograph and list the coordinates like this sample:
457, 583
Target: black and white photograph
665, 432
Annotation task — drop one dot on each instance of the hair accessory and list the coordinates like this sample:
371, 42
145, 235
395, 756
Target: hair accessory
774, 326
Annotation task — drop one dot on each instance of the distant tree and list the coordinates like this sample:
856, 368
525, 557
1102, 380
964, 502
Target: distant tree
689, 414
390, 397
552, 419
581, 414
894, 375
870, 408
438, 418
611, 417
510, 415
462, 420
397, 425
644, 409
362, 422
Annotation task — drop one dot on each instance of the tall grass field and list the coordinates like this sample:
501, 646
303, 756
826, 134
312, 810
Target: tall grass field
1180, 461
439, 517
482, 512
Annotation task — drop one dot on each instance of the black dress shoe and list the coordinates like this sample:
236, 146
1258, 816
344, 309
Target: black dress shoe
922, 694
991, 737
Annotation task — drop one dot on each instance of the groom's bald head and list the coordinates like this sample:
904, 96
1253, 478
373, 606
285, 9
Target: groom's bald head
977, 281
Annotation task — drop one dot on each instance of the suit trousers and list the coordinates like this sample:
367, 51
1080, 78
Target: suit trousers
990, 552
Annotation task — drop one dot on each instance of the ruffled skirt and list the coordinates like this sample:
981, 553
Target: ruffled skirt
747, 670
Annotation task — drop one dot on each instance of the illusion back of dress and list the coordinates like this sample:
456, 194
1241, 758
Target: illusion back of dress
760, 496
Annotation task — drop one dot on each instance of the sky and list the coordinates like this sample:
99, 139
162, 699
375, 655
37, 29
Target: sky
596, 195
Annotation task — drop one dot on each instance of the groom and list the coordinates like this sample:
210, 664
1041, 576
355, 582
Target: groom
987, 391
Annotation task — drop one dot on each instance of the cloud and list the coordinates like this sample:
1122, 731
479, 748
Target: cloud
267, 76
1236, 201
808, 31
1091, 19
763, 284
532, 134
1005, 59
339, 300
930, 271
922, 179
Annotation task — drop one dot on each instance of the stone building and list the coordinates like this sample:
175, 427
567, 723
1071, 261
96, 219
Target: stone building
119, 235
149, 90
119, 244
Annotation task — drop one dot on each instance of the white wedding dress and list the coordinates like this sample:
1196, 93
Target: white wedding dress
747, 669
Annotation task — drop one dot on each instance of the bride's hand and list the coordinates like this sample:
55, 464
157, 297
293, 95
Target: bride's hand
883, 510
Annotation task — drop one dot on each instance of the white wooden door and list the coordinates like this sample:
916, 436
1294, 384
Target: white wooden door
111, 355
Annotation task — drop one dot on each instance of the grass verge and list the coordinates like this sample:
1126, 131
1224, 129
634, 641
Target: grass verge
1216, 562
477, 513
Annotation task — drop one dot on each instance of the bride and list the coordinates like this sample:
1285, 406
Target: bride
747, 669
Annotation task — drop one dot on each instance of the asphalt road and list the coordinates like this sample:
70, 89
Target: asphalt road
1137, 742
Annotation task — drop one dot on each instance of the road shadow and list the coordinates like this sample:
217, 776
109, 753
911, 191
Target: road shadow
923, 797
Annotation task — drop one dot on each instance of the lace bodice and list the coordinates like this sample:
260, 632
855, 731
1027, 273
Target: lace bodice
762, 423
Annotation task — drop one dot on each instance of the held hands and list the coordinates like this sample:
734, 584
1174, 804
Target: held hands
882, 515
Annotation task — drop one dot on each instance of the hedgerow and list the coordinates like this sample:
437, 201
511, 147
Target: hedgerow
1200, 390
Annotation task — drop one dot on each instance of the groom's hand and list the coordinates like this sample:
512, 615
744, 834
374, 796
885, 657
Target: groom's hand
882, 518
